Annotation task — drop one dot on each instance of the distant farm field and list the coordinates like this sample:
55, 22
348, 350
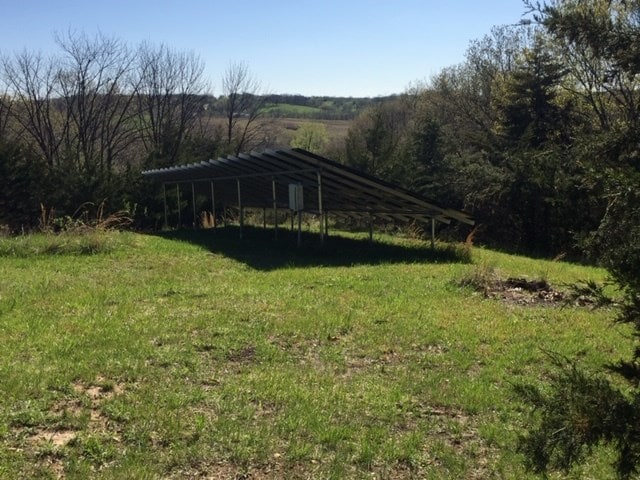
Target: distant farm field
281, 130
285, 128
285, 110
197, 355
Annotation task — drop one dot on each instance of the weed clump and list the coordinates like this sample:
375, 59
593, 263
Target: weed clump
64, 243
481, 278
81, 234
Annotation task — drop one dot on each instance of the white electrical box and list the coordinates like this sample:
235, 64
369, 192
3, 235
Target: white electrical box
296, 199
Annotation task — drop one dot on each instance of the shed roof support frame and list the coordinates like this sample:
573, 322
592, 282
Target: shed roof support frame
193, 203
433, 233
319, 176
166, 208
179, 206
275, 208
213, 206
330, 186
241, 213
370, 227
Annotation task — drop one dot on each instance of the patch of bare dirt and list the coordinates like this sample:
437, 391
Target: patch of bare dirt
305, 351
55, 464
431, 348
57, 438
47, 443
521, 291
100, 390
264, 408
242, 355
274, 470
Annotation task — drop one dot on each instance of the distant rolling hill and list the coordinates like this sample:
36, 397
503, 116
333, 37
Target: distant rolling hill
300, 106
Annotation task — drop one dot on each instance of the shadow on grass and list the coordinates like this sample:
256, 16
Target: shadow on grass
260, 250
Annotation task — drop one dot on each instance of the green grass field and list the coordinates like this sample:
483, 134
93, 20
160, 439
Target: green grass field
287, 110
195, 355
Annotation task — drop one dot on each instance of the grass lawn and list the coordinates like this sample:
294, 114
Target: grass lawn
195, 355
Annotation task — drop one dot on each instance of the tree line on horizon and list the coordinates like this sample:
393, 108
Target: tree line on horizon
78, 127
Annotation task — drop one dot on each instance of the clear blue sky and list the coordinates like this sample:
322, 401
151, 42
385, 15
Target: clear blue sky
321, 47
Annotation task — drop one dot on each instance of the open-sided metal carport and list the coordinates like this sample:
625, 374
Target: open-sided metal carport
264, 179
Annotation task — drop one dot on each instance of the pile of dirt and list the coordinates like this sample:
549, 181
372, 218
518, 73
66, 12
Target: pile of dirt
522, 291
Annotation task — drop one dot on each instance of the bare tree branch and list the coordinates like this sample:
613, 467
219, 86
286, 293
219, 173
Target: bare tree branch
6, 106
243, 102
170, 98
31, 80
96, 84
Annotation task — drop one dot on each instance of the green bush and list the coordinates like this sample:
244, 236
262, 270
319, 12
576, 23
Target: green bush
577, 411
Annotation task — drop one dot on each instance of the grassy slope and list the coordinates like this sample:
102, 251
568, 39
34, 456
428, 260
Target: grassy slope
181, 355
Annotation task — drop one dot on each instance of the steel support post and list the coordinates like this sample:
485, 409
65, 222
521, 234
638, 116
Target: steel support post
164, 199
240, 207
193, 202
179, 206
326, 224
213, 206
320, 208
275, 208
433, 233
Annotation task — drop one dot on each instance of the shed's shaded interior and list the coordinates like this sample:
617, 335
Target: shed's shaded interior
262, 179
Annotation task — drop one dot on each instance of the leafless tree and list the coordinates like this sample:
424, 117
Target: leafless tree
611, 94
31, 80
170, 98
243, 102
96, 84
6, 105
